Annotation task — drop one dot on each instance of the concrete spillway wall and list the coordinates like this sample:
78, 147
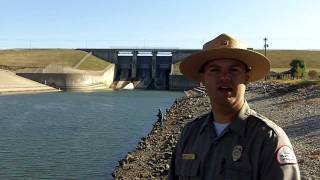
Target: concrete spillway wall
179, 82
144, 71
146, 68
102, 80
74, 81
12, 83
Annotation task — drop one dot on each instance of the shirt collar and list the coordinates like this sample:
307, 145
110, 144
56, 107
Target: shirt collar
238, 125
207, 121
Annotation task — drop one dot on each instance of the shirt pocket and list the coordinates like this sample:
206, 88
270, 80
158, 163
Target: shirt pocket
188, 169
238, 171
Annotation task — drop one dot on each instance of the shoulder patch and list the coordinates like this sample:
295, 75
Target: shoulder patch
285, 155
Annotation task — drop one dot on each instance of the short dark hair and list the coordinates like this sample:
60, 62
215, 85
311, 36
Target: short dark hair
201, 70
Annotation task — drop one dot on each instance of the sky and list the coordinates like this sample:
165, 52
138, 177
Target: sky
183, 24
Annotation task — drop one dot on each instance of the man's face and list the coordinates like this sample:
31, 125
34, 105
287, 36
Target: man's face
225, 81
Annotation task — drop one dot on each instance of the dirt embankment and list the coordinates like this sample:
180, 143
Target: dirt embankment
295, 108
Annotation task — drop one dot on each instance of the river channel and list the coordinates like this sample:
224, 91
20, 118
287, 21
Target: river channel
73, 135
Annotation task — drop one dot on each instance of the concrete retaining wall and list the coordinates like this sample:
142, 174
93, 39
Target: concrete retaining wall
179, 82
10, 83
97, 80
74, 81
108, 75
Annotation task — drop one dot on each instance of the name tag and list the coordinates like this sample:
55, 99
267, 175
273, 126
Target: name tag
188, 156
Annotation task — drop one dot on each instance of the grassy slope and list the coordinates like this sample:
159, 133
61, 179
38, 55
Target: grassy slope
280, 59
41, 57
93, 63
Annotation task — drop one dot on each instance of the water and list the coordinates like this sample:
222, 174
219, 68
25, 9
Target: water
74, 135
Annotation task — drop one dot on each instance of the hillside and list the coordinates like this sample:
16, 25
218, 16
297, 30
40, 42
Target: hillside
20, 58
280, 59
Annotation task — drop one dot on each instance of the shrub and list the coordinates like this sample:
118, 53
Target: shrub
313, 74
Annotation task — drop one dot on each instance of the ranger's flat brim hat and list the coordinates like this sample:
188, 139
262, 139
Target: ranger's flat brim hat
225, 47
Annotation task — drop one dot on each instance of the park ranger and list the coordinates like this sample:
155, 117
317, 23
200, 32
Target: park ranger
232, 141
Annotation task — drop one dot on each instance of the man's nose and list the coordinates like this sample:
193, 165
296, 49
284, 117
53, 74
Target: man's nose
225, 76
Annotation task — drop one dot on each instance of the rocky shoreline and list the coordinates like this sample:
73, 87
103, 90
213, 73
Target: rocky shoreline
295, 108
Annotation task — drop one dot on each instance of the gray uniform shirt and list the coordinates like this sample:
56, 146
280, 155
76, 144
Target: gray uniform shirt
251, 147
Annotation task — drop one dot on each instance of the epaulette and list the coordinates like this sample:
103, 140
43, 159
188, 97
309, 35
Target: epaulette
276, 129
198, 119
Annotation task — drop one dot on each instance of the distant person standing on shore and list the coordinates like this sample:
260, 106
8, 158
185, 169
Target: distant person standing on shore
232, 141
160, 117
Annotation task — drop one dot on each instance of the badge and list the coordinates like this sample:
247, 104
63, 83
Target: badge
225, 43
188, 156
237, 152
285, 155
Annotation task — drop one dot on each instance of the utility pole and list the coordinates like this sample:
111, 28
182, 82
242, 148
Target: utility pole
265, 46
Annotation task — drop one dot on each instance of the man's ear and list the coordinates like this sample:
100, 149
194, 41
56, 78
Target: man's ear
202, 78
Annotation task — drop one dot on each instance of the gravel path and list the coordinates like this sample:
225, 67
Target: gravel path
295, 109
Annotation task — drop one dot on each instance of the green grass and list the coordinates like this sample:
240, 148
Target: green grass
282, 58
20, 58
93, 63
286, 69
279, 69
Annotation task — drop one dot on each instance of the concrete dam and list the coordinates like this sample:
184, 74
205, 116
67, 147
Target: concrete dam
146, 68
128, 69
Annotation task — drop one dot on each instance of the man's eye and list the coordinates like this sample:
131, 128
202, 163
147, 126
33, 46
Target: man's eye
213, 70
235, 69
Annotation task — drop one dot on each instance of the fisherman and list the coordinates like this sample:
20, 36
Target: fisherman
160, 117
232, 141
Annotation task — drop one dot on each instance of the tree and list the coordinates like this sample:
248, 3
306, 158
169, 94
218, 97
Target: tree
298, 69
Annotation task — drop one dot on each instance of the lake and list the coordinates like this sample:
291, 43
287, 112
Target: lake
74, 135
